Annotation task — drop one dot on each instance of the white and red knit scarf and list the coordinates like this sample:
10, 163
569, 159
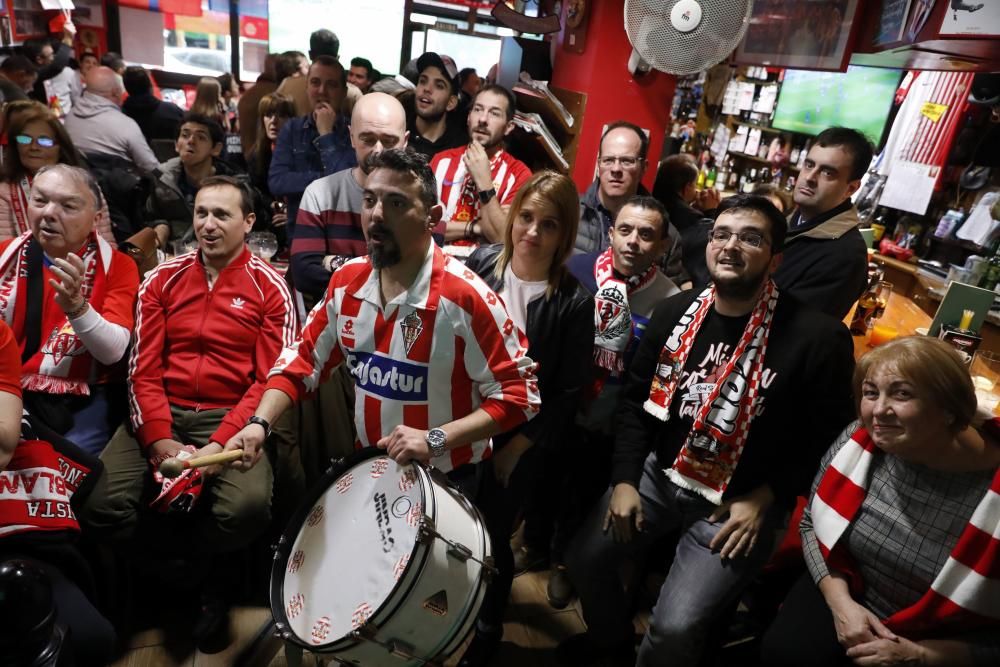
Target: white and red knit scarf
19, 193
709, 457
612, 315
966, 592
62, 364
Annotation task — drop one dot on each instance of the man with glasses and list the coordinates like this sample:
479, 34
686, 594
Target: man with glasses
621, 162
477, 183
732, 397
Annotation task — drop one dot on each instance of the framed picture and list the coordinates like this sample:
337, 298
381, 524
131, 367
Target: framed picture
814, 34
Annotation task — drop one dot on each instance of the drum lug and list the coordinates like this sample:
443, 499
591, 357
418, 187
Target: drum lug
459, 552
395, 647
427, 532
276, 547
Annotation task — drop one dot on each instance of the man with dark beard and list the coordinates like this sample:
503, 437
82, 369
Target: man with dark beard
432, 124
730, 400
477, 183
328, 226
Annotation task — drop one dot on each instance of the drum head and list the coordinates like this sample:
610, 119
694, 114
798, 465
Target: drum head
350, 549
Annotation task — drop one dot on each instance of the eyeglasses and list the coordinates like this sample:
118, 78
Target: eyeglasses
627, 162
44, 142
746, 239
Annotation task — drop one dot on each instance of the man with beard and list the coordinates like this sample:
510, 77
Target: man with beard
328, 227
714, 442
459, 367
477, 183
315, 145
826, 259
432, 126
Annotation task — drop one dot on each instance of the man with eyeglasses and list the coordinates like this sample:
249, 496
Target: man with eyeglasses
734, 393
621, 162
477, 183
826, 258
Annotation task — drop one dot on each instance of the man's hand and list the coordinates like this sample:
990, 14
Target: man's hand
251, 441
279, 219
505, 460
856, 625
210, 448
161, 450
708, 200
478, 163
738, 535
405, 444
625, 503
887, 652
69, 295
326, 118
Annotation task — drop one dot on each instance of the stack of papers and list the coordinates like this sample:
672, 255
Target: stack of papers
533, 123
541, 89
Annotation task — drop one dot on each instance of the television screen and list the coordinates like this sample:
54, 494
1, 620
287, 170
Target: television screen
859, 98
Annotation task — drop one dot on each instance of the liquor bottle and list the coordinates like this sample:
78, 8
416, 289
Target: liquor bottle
866, 307
992, 277
793, 157
700, 183
750, 182
711, 176
735, 180
722, 176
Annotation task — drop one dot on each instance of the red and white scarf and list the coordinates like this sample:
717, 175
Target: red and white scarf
36, 489
709, 457
62, 363
19, 193
612, 315
964, 594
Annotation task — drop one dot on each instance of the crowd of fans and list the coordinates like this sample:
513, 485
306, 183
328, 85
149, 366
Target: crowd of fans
617, 382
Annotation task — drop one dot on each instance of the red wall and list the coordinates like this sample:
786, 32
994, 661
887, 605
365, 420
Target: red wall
612, 93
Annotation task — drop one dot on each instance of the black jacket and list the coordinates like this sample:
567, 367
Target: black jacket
825, 262
156, 119
561, 340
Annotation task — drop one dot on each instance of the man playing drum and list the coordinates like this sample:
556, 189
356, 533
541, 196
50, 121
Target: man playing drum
209, 326
438, 365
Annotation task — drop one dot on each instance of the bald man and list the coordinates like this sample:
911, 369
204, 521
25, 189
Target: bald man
328, 225
98, 127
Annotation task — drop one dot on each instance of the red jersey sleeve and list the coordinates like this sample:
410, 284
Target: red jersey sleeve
277, 331
123, 286
149, 408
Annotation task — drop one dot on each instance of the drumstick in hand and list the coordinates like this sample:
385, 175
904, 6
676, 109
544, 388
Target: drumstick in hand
174, 466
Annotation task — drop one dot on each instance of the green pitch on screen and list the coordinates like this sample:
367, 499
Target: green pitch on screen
860, 99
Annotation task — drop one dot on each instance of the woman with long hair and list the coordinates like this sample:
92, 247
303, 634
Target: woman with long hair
35, 139
528, 271
273, 110
208, 100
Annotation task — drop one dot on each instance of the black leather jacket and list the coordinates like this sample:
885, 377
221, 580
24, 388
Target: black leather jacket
561, 339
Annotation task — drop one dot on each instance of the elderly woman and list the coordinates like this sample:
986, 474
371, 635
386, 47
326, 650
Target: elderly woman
902, 530
529, 273
36, 139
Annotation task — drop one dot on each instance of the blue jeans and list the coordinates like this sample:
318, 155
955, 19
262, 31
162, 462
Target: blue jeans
699, 585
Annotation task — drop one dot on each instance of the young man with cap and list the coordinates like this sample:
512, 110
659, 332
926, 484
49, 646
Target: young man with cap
477, 182
431, 125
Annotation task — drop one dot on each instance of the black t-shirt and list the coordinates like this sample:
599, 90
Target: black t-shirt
455, 135
803, 403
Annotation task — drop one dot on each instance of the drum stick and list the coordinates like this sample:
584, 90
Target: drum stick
173, 466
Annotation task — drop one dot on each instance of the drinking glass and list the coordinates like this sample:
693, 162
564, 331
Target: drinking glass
985, 371
882, 293
263, 244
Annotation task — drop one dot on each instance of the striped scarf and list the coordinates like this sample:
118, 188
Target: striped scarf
612, 315
966, 592
709, 457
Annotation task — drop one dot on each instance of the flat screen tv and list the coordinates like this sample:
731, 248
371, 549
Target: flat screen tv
859, 98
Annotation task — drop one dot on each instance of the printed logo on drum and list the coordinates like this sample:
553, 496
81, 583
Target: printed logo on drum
295, 562
401, 507
343, 484
408, 479
361, 615
315, 516
379, 466
415, 514
321, 629
382, 519
388, 378
400, 567
437, 604
295, 605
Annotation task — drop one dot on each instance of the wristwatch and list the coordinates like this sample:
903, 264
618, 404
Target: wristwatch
263, 423
436, 440
486, 195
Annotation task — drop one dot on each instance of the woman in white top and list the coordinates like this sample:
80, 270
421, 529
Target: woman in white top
529, 273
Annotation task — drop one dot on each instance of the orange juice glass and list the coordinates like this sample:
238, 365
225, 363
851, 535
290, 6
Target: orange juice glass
882, 333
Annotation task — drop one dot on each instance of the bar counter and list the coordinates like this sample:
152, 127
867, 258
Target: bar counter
901, 313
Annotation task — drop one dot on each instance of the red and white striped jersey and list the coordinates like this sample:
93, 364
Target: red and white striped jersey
435, 354
461, 200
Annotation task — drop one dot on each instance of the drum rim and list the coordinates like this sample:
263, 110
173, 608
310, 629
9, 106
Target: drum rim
287, 540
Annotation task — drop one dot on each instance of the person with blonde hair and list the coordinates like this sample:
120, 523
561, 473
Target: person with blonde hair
528, 271
901, 533
208, 101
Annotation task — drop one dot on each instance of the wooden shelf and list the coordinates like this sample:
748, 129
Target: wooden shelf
754, 158
530, 147
763, 127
